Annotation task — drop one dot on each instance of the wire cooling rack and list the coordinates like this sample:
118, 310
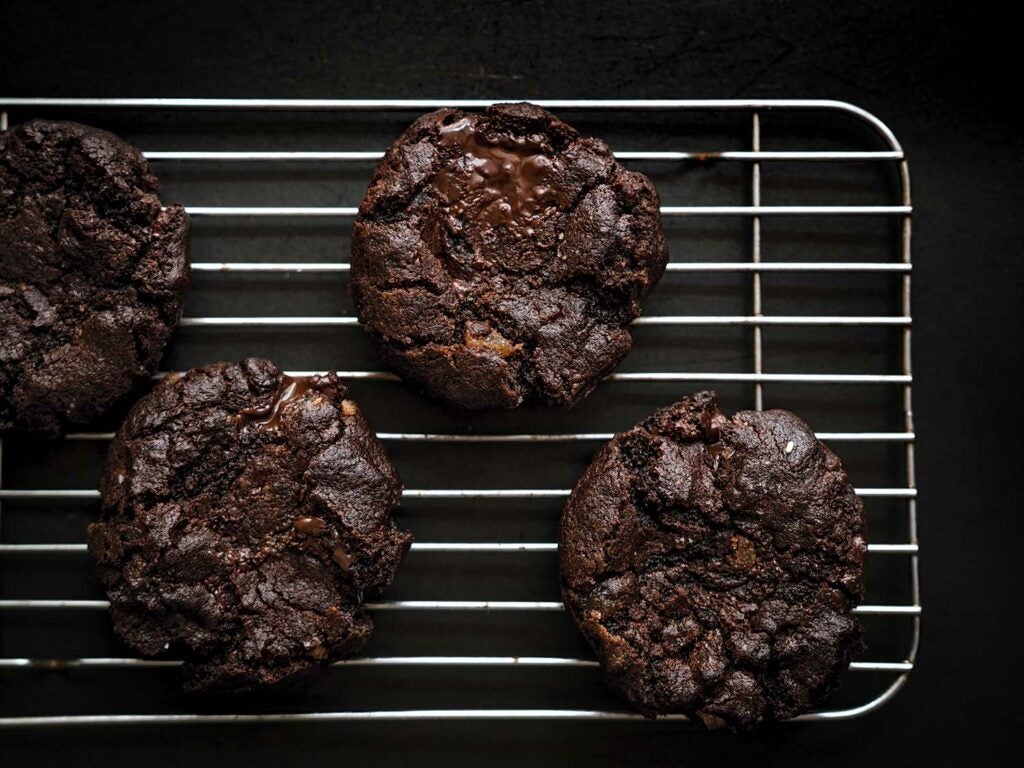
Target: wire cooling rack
849, 248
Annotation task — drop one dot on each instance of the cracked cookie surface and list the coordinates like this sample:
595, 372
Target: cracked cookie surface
713, 563
93, 271
246, 516
500, 257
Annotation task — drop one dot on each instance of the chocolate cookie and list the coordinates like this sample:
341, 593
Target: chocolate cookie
246, 515
713, 563
500, 257
92, 274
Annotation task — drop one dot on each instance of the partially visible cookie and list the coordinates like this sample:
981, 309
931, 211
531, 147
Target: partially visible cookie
500, 257
93, 270
246, 516
714, 562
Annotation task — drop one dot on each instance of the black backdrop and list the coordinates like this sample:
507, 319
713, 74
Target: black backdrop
939, 73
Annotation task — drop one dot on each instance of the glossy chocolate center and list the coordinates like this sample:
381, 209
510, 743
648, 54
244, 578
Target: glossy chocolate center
503, 183
268, 418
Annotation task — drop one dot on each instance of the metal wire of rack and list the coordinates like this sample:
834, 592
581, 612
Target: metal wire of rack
756, 321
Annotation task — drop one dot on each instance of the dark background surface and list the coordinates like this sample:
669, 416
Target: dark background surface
937, 73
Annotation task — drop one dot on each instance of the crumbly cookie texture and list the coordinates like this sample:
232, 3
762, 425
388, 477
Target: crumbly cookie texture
500, 257
246, 516
93, 271
714, 562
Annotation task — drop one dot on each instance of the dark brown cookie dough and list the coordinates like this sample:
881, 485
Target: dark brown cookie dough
713, 563
501, 257
92, 274
246, 516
